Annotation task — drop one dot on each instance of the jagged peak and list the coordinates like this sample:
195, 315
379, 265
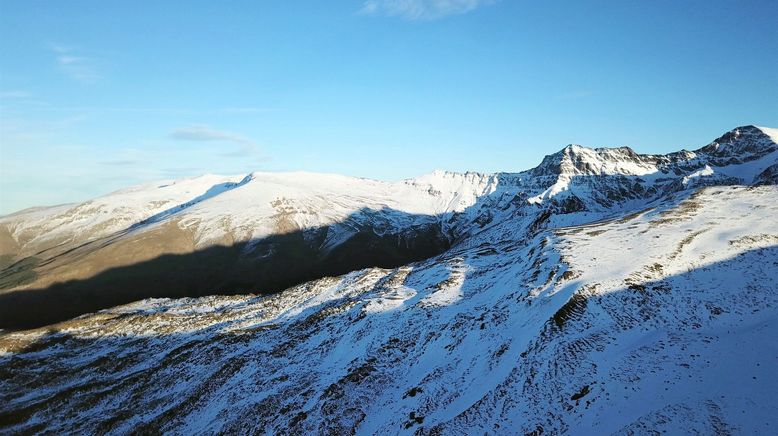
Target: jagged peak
576, 159
741, 144
744, 141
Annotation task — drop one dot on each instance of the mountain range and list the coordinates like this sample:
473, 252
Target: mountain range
603, 291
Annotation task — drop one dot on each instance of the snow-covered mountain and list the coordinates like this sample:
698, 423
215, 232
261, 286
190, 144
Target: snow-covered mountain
602, 291
222, 209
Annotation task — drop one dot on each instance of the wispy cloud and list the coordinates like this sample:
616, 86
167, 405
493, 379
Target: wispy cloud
203, 133
200, 132
421, 9
73, 64
14, 94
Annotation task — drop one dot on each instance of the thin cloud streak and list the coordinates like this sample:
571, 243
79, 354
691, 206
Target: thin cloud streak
413, 10
75, 66
203, 133
200, 132
14, 94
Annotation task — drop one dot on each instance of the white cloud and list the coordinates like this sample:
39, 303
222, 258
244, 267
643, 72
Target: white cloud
199, 132
72, 64
203, 133
421, 9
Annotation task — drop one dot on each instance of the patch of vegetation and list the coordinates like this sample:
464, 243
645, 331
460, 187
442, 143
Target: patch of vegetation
17, 273
574, 308
500, 351
569, 275
264, 266
580, 394
632, 216
752, 240
537, 432
414, 419
412, 392
637, 287
6, 260
684, 211
686, 241
298, 419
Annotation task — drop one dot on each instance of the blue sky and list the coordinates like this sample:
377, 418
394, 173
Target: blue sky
95, 95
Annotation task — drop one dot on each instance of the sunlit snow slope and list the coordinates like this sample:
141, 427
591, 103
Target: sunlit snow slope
601, 292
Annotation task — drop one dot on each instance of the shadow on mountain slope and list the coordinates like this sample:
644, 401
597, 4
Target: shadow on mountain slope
279, 261
100, 383
264, 266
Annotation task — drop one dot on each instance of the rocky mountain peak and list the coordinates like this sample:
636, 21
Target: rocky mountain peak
576, 160
740, 144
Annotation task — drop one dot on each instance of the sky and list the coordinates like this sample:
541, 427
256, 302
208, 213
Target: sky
96, 96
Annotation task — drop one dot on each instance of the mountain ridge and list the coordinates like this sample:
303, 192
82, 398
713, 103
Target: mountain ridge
65, 246
604, 292
761, 133
663, 319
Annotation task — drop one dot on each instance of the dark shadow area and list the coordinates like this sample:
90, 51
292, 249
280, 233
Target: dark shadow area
63, 375
260, 266
277, 262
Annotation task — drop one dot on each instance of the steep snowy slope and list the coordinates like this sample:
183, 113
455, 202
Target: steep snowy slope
660, 320
264, 232
256, 205
603, 291
243, 207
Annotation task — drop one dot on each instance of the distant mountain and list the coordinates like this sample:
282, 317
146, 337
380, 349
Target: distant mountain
264, 232
602, 291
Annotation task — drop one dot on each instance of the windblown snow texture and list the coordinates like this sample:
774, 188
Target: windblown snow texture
601, 292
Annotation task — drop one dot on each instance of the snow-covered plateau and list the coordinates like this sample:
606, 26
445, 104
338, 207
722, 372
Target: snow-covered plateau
602, 292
